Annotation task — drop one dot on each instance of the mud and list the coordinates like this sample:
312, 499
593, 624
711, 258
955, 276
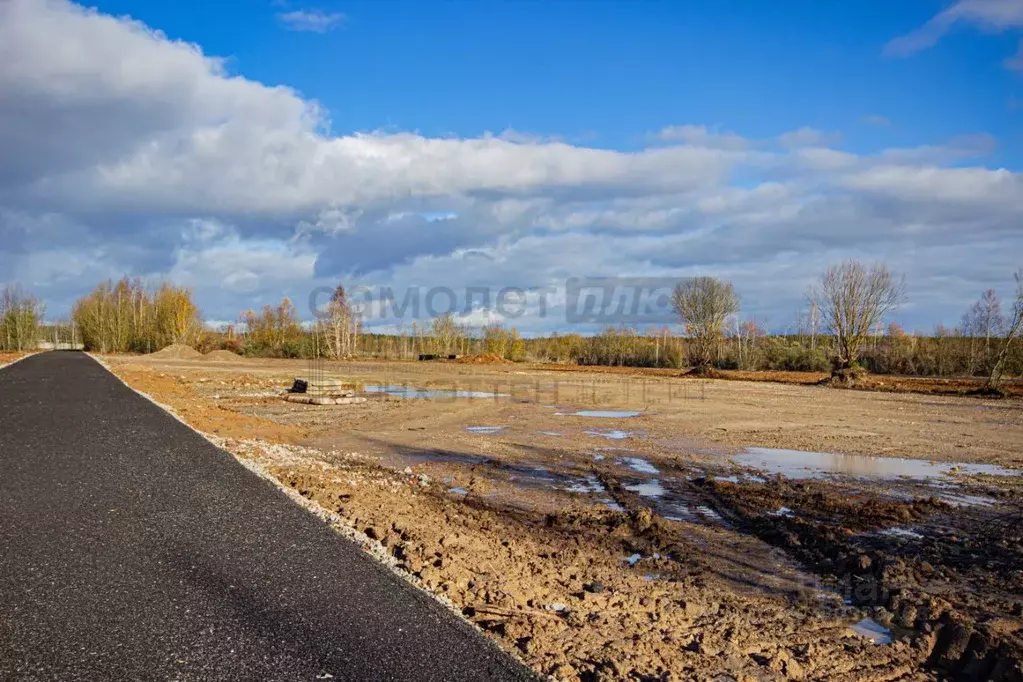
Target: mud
646, 547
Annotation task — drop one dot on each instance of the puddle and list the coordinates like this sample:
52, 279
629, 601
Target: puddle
610, 414
960, 500
597, 457
641, 465
548, 433
632, 560
680, 514
484, 429
743, 478
647, 488
613, 435
709, 513
611, 504
799, 464
588, 484
897, 532
458, 491
782, 511
873, 631
413, 392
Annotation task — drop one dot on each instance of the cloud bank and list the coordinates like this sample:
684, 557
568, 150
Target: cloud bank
130, 153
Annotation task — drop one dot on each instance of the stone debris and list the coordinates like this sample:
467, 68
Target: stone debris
307, 399
322, 392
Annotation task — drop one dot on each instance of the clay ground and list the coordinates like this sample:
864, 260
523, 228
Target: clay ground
8, 357
655, 546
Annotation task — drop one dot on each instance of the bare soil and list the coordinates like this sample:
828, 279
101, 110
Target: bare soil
645, 547
888, 383
7, 358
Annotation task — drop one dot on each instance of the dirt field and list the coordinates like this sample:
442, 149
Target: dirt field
652, 543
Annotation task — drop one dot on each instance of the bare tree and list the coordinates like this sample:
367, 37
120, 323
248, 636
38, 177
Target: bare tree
1011, 332
853, 299
983, 320
340, 326
447, 334
704, 304
21, 316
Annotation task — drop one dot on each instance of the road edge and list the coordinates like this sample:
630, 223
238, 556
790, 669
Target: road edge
17, 360
376, 551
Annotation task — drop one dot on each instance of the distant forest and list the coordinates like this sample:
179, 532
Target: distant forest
842, 326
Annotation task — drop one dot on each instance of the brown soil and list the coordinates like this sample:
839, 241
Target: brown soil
964, 386
222, 356
514, 526
176, 351
6, 358
481, 359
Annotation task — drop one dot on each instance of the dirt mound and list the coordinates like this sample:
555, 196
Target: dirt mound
482, 359
222, 356
704, 373
847, 377
177, 351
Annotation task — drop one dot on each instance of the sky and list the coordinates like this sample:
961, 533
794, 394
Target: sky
446, 152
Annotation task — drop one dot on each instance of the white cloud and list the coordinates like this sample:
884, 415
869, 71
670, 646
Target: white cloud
808, 137
990, 15
700, 136
126, 152
313, 21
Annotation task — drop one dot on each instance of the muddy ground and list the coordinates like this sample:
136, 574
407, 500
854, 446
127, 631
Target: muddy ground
675, 543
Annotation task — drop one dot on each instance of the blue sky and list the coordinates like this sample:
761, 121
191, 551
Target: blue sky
606, 72
257, 149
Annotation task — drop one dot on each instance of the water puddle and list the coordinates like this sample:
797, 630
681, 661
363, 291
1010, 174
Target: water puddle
799, 464
588, 484
651, 489
633, 559
782, 511
897, 532
609, 414
413, 392
611, 504
458, 491
548, 433
613, 435
872, 630
641, 465
484, 429
962, 500
708, 513
743, 478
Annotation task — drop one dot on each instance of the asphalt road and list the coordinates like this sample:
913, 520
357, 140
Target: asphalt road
132, 549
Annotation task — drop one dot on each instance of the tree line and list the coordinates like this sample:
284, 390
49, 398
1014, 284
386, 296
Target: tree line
127, 316
841, 330
21, 319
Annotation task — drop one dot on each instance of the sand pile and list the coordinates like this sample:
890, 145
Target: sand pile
482, 359
177, 351
223, 356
